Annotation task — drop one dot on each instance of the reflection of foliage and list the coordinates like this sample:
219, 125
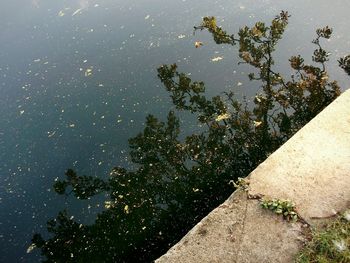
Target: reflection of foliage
179, 181
83, 186
344, 63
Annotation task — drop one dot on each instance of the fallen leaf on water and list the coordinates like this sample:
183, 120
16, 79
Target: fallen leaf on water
216, 59
126, 209
198, 44
77, 11
88, 72
257, 123
30, 248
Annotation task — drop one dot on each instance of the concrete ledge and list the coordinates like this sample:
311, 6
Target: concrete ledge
312, 169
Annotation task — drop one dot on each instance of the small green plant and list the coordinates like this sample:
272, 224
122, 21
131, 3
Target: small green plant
330, 244
241, 183
281, 207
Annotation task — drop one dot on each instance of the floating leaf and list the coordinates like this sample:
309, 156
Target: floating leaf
126, 209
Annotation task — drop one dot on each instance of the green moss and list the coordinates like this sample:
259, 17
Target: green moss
330, 244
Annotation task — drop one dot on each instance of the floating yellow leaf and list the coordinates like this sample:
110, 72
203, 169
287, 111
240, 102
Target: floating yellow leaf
198, 44
61, 13
77, 11
126, 209
216, 59
108, 204
30, 248
257, 123
88, 72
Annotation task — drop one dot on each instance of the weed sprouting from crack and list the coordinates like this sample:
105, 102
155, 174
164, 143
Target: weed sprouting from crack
241, 183
286, 208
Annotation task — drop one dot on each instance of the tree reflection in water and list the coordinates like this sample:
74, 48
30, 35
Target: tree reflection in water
179, 181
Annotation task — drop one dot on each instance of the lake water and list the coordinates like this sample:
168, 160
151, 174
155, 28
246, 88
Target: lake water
77, 79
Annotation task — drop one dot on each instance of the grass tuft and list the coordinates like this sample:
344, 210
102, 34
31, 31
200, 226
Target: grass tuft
330, 244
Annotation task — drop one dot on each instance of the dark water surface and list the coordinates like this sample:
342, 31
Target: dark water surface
77, 79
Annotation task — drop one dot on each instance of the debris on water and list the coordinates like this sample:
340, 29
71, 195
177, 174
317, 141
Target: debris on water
216, 59
88, 72
77, 11
198, 44
108, 204
30, 248
50, 134
239, 83
147, 17
257, 123
181, 36
126, 209
61, 13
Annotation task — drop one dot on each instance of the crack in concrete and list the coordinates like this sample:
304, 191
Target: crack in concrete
243, 228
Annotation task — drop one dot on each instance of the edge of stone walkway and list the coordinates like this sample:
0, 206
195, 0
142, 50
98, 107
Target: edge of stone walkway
312, 169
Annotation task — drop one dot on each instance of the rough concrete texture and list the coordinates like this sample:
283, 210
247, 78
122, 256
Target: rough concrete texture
237, 231
312, 170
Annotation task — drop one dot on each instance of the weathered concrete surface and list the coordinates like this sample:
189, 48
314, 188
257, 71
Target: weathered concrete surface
312, 169
237, 231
